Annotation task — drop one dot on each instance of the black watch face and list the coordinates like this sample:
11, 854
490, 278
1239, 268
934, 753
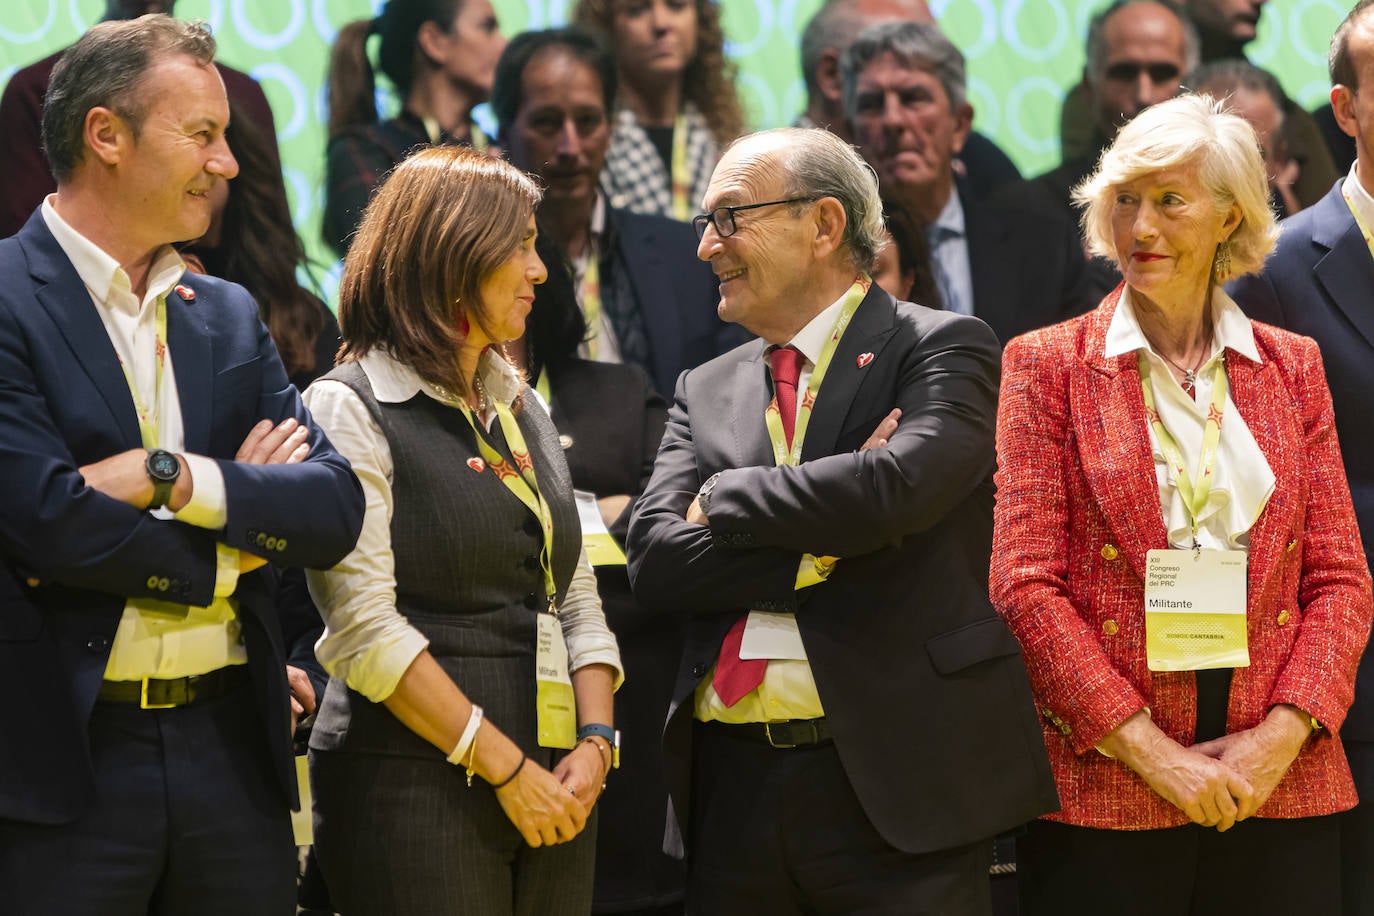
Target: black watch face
163, 465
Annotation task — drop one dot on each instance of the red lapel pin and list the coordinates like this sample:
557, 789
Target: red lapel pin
477, 464
185, 292
864, 359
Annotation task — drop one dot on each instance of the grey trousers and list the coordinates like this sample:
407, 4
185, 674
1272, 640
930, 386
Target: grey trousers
398, 836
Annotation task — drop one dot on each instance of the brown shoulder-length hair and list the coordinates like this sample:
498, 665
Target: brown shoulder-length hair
443, 221
709, 80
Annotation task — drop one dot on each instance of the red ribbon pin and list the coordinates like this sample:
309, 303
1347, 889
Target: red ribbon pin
477, 464
185, 292
864, 359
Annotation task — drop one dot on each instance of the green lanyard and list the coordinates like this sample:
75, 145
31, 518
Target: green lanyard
773, 417
520, 480
149, 414
681, 177
1194, 493
590, 294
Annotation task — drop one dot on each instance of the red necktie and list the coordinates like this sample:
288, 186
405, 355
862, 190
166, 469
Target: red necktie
735, 677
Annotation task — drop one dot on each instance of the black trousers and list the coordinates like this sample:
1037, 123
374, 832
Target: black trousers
188, 818
1357, 834
1259, 867
777, 832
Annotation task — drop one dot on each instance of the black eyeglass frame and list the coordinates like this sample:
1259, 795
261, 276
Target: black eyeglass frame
700, 221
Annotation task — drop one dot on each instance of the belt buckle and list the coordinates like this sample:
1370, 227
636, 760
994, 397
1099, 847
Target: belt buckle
143, 697
768, 732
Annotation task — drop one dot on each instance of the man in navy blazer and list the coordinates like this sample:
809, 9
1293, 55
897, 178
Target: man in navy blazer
155, 456
1319, 282
648, 301
852, 722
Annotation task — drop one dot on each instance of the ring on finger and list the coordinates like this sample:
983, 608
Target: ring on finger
571, 790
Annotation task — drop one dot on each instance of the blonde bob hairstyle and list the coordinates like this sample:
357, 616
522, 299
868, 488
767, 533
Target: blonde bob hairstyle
1198, 133
443, 221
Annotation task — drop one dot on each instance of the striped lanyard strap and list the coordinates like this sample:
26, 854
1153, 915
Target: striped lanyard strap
1194, 492
681, 177
773, 417
520, 480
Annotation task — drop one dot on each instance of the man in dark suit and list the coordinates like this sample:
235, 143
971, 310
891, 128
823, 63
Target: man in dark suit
1318, 282
27, 179
154, 455
647, 301
980, 162
1013, 258
852, 722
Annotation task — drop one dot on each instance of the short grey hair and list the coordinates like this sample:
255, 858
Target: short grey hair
1197, 132
913, 44
106, 69
1097, 36
814, 164
834, 27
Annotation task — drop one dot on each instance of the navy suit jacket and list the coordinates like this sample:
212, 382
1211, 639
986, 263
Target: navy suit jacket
1319, 282
64, 402
675, 292
922, 683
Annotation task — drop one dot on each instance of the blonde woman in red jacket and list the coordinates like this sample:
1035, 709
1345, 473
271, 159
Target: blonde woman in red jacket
1176, 552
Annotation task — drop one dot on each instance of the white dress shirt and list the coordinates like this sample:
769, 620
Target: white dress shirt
367, 642
1364, 204
158, 638
607, 343
1242, 480
789, 689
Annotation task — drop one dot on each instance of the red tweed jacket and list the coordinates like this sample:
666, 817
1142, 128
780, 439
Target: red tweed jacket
1078, 507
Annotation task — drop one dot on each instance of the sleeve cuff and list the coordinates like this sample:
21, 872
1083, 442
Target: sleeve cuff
226, 570
376, 674
207, 506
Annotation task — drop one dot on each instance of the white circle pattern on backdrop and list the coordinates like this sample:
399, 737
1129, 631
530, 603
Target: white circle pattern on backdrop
300, 103
23, 38
1011, 30
239, 13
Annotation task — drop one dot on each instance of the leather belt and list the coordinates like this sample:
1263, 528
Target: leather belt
157, 693
789, 734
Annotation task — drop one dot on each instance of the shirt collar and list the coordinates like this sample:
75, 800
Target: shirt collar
950, 222
101, 273
1364, 204
598, 225
811, 339
1230, 328
394, 382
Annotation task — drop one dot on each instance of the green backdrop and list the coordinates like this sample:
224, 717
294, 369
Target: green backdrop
1021, 56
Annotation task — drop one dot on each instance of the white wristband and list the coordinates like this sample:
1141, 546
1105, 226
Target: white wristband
469, 733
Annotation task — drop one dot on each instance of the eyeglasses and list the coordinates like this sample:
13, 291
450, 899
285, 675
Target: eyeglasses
1125, 72
723, 218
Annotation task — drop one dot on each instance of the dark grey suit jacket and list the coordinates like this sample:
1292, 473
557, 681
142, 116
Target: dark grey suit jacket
921, 681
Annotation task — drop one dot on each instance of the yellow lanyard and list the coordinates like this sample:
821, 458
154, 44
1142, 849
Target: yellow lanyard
590, 294
773, 416
681, 177
1349, 202
476, 138
149, 414
520, 480
1194, 493
541, 385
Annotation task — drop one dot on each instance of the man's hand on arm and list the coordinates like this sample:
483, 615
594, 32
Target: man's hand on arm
284, 443
125, 477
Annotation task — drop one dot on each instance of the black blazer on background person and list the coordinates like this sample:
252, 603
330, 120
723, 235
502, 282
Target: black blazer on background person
923, 685
675, 292
1026, 260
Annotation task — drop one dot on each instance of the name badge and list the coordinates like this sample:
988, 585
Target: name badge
1195, 610
554, 700
602, 550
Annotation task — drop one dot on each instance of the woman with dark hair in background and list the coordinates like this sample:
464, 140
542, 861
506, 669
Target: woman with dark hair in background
677, 106
903, 266
610, 420
439, 56
252, 242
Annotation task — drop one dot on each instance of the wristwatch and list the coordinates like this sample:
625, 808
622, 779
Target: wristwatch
612, 736
163, 470
704, 494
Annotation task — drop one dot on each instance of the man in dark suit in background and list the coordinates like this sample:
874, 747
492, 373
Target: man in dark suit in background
823, 43
154, 455
27, 178
1319, 282
646, 299
852, 722
1013, 258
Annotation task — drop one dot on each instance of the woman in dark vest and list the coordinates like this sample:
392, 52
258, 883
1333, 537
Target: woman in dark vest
451, 773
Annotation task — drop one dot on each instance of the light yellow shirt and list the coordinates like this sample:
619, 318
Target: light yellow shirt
157, 638
788, 690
